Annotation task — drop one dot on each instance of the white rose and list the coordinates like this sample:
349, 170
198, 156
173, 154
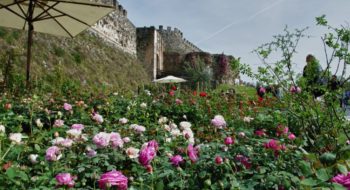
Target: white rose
33, 158
16, 138
38, 123
132, 152
143, 105
74, 133
185, 125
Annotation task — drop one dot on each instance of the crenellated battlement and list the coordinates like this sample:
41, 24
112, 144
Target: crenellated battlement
175, 41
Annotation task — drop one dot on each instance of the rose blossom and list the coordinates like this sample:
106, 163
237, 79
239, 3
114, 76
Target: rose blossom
65, 179
185, 125
33, 158
229, 141
218, 160
117, 141
126, 139
67, 107
143, 105
58, 123
123, 121
295, 89
178, 101
291, 136
192, 153
138, 128
77, 127
113, 179
90, 152
66, 143
342, 179
102, 139
39, 123
241, 134
53, 154
98, 118
176, 160
248, 119
218, 121
16, 138
146, 155
74, 133
260, 132
162, 120
244, 160
132, 152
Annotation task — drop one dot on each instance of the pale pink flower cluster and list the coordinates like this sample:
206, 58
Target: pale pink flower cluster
187, 131
104, 139
79, 127
53, 153
98, 118
67, 107
58, 123
138, 128
113, 179
65, 179
218, 121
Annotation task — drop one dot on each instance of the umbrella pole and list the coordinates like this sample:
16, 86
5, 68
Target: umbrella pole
29, 54
30, 41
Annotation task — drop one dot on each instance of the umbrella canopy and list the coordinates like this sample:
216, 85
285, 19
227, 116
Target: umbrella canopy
58, 17
170, 79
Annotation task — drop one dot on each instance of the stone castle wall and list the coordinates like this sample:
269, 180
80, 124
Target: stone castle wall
117, 29
175, 42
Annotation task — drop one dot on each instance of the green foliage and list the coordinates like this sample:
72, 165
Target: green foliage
59, 51
199, 73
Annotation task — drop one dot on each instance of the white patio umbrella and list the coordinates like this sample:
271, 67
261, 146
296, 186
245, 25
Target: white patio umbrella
169, 79
58, 17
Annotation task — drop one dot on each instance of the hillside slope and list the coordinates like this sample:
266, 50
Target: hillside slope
85, 60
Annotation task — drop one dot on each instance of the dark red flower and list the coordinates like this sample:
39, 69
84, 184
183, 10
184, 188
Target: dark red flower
173, 88
203, 94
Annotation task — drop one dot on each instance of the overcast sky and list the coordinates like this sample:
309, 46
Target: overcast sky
236, 27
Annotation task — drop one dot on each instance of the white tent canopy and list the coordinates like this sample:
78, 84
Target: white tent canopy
169, 79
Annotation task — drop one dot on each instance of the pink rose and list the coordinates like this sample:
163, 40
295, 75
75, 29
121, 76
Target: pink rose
229, 141
192, 153
178, 101
102, 139
176, 160
260, 132
218, 121
146, 155
342, 179
117, 141
273, 144
218, 160
67, 107
65, 179
58, 123
291, 136
77, 127
244, 160
53, 154
98, 118
113, 179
